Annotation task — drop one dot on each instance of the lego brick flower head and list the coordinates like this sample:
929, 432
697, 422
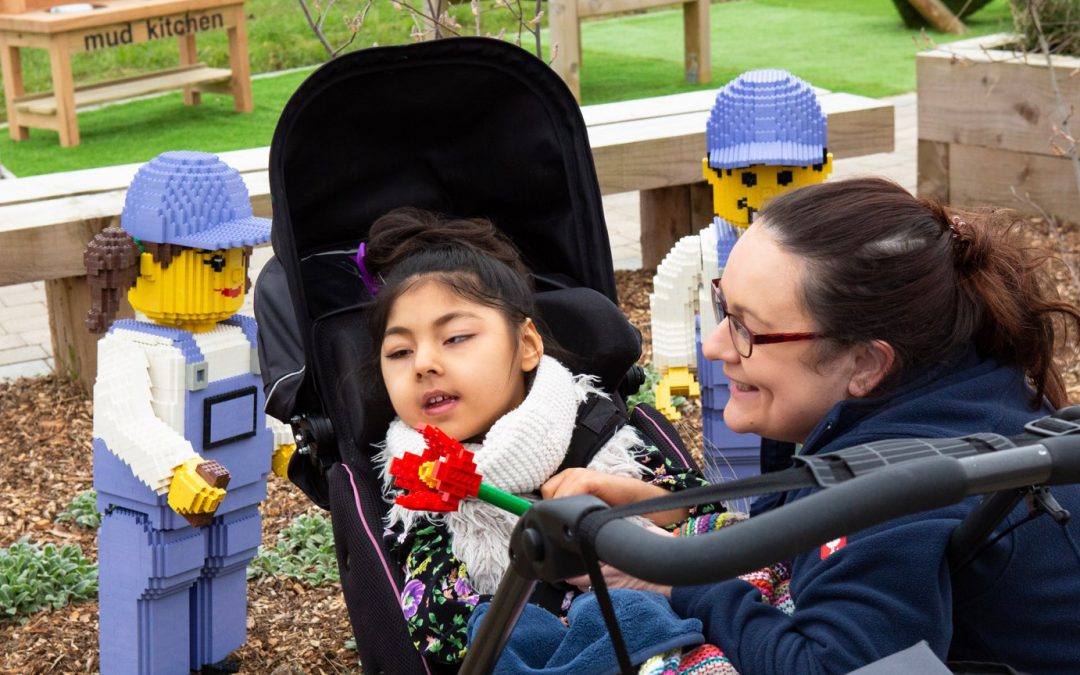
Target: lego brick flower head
443, 475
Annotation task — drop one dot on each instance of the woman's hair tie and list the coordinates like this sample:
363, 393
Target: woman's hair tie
955, 223
365, 276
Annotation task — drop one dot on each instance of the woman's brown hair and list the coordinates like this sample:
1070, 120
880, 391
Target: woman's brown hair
927, 279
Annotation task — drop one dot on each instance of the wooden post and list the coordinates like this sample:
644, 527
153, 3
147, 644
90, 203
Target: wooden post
239, 63
665, 218
11, 66
933, 170
939, 16
696, 41
64, 91
74, 347
701, 206
189, 57
563, 32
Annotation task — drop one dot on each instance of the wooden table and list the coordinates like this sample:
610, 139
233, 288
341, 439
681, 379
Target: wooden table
112, 23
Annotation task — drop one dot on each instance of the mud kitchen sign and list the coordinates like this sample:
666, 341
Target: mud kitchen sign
152, 28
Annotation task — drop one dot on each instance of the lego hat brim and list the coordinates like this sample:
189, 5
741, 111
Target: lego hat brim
248, 231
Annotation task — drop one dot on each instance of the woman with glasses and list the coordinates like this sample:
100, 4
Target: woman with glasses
852, 312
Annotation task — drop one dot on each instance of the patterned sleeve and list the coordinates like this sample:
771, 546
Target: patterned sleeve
437, 599
675, 478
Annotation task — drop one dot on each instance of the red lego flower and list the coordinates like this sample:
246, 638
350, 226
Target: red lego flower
438, 479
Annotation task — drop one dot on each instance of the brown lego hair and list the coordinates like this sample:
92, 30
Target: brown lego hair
112, 266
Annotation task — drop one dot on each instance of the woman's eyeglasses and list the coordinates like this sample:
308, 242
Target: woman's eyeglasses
743, 338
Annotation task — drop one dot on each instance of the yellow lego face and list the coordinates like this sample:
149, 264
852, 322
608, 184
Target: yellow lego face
195, 291
738, 194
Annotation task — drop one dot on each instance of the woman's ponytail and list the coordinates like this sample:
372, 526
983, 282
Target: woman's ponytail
1021, 312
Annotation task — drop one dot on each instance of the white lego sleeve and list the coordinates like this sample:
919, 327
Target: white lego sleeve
283, 433
124, 417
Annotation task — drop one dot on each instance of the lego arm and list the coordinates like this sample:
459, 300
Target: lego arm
158, 455
284, 446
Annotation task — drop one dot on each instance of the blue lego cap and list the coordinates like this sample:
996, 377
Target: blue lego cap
765, 117
191, 199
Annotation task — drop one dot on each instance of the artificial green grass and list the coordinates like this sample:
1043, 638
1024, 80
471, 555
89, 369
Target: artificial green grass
858, 46
140, 130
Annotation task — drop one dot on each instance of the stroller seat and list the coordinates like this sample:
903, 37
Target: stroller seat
471, 127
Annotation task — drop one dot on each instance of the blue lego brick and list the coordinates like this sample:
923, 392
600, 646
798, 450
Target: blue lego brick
183, 340
191, 199
731, 464
765, 117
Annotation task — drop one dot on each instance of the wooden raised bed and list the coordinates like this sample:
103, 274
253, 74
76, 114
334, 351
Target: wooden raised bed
987, 120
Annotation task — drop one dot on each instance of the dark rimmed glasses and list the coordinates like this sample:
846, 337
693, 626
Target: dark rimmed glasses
742, 337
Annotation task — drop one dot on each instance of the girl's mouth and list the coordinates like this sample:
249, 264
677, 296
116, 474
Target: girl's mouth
230, 292
439, 404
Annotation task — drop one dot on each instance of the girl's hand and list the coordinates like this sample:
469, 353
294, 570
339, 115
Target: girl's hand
615, 490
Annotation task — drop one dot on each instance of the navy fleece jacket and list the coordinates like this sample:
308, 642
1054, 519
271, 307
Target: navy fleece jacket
889, 586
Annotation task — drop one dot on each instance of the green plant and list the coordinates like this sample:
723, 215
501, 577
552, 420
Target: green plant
1058, 19
34, 577
83, 510
304, 552
647, 392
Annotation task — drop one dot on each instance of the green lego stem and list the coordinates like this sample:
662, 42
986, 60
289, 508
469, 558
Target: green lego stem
503, 500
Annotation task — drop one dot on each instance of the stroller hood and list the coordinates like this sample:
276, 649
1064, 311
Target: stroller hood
465, 126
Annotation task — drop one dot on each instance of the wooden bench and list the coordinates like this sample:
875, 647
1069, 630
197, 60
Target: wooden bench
652, 145
110, 23
564, 27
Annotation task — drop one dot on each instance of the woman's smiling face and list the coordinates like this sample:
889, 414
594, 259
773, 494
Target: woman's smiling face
777, 393
453, 363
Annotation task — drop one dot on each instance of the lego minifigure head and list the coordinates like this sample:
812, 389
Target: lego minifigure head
739, 194
190, 288
765, 135
187, 235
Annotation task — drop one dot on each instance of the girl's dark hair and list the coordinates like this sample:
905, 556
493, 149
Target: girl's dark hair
927, 279
468, 255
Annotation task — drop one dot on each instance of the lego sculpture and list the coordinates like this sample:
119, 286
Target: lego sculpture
765, 135
181, 443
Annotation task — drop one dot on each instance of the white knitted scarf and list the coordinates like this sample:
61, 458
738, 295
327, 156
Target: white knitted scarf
519, 453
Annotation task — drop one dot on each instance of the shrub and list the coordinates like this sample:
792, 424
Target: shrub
304, 552
34, 577
1060, 22
83, 511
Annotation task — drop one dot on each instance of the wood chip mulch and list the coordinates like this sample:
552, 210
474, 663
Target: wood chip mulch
46, 424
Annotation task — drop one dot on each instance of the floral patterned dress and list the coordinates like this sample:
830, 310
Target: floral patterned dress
438, 600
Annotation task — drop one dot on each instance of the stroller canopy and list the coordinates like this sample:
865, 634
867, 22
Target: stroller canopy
467, 127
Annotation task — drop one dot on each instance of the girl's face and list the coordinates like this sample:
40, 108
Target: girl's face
776, 392
453, 363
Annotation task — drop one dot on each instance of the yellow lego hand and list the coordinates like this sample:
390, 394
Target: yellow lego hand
675, 382
197, 490
280, 460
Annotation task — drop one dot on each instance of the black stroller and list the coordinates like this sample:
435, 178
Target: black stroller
477, 127
469, 127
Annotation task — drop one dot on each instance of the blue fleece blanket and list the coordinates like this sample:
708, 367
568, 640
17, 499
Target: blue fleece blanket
542, 645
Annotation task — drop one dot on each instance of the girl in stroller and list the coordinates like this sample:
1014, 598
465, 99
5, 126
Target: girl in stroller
456, 346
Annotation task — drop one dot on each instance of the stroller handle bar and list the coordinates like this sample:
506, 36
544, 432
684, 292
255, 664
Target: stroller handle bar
546, 541
890, 492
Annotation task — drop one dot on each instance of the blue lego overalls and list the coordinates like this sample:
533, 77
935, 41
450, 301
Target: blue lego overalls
179, 592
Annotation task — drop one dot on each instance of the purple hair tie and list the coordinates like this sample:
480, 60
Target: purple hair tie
365, 276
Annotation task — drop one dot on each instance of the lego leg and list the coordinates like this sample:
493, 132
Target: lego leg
143, 578
219, 597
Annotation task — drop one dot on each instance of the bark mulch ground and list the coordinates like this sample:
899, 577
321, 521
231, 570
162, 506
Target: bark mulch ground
46, 425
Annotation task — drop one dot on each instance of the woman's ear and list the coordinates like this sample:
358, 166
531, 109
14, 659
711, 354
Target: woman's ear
532, 346
873, 362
